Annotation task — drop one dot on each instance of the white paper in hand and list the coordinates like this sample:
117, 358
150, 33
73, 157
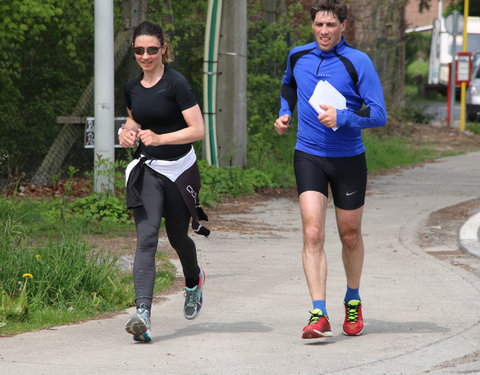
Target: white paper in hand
325, 93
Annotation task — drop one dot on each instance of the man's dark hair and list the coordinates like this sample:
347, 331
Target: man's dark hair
337, 7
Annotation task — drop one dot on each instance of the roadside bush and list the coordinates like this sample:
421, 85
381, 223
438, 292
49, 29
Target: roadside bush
102, 207
218, 183
411, 113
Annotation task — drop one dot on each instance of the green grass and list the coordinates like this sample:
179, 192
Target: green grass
49, 316
418, 67
273, 155
60, 278
385, 153
474, 127
44, 218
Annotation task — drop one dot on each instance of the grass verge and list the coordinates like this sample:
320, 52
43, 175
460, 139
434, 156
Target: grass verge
59, 279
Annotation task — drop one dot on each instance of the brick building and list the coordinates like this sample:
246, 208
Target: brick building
416, 21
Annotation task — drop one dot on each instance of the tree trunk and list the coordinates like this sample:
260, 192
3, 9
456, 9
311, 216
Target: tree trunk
167, 16
272, 9
134, 11
377, 28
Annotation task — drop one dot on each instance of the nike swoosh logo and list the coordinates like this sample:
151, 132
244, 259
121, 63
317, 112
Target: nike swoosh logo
351, 193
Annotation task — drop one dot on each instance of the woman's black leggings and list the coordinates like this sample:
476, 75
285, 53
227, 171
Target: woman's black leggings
160, 197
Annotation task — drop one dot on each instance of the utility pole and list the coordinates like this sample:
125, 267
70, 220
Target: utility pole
463, 87
104, 97
134, 11
454, 25
232, 85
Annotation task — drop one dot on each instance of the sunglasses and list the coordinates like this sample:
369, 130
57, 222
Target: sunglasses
150, 50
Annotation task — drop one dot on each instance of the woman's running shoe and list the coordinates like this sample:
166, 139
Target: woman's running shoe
139, 325
194, 298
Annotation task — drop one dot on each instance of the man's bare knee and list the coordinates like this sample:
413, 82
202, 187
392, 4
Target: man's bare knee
351, 239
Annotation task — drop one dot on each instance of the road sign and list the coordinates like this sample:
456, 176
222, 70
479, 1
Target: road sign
464, 68
454, 23
90, 131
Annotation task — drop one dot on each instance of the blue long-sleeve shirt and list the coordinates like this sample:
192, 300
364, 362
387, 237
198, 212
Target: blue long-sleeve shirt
352, 73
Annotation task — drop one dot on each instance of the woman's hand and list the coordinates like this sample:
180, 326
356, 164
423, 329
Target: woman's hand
128, 135
127, 138
149, 138
194, 131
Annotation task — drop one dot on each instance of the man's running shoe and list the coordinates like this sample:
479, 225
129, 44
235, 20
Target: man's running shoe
318, 326
353, 324
194, 298
139, 325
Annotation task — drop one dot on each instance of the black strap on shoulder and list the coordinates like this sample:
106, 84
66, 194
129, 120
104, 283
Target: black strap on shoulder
296, 56
350, 69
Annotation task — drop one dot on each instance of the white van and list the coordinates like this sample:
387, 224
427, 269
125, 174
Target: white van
441, 49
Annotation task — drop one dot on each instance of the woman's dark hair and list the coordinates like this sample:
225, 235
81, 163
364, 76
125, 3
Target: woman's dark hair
337, 7
152, 29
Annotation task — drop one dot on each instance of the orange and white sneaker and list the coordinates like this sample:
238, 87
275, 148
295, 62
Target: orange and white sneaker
318, 326
353, 324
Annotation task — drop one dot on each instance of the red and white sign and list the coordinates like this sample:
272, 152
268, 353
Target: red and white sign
464, 68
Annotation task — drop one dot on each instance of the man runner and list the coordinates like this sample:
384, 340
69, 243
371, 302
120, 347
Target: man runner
330, 152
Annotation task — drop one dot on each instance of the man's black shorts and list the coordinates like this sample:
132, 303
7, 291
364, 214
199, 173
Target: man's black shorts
347, 177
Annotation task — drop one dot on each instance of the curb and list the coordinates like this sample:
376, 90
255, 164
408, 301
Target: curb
469, 235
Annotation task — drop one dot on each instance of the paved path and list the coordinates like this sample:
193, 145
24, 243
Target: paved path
422, 314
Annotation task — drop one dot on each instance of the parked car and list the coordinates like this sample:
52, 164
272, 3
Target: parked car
473, 93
